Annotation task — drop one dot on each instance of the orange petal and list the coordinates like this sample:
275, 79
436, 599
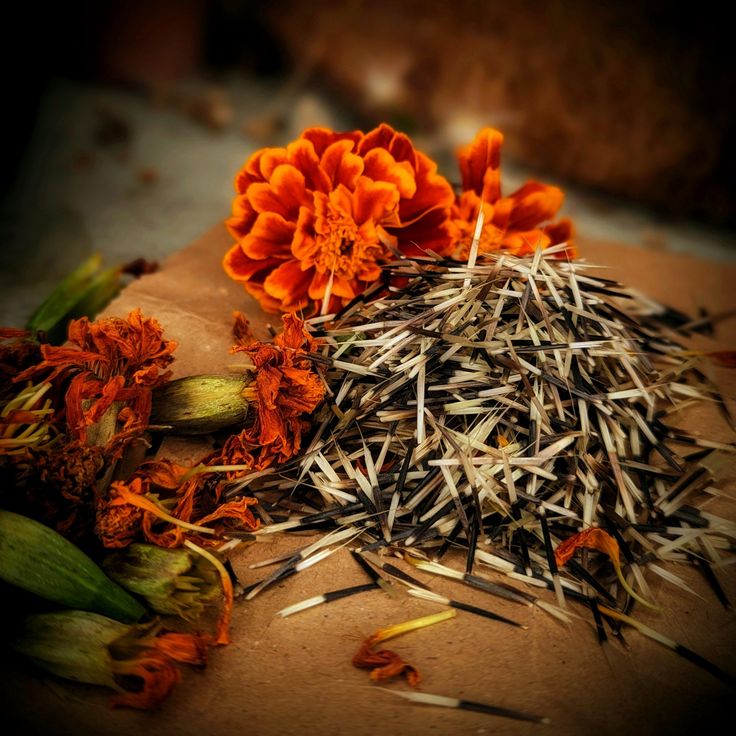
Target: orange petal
304, 246
242, 219
340, 165
592, 538
340, 198
562, 231
375, 200
525, 243
533, 204
433, 191
267, 302
322, 138
158, 677
379, 137
401, 149
182, 647
429, 232
288, 282
269, 159
303, 156
284, 194
240, 267
381, 165
341, 287
480, 163
270, 237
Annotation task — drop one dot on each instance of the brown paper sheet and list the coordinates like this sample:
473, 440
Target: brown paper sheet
294, 675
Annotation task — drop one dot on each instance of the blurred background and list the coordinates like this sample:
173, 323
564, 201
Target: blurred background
126, 120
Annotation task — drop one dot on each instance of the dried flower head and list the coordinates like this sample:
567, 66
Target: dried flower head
286, 390
107, 361
138, 662
314, 221
519, 223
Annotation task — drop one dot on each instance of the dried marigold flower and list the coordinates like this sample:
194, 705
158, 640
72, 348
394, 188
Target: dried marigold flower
56, 485
138, 662
600, 540
518, 223
315, 221
107, 361
160, 504
286, 390
385, 663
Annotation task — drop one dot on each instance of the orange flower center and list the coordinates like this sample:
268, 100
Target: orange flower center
490, 236
343, 248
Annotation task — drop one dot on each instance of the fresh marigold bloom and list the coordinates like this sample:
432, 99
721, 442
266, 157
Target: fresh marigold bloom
519, 223
316, 220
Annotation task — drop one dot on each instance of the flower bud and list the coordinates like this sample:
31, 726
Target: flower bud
172, 581
201, 404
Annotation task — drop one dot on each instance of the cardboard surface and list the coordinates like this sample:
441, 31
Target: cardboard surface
294, 675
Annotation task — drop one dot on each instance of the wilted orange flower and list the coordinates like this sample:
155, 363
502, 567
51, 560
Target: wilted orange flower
159, 504
287, 390
592, 538
519, 223
105, 361
139, 661
316, 220
602, 541
148, 662
384, 664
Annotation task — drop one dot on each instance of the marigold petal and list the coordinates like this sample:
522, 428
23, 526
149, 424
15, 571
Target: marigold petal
429, 232
402, 149
382, 166
269, 159
182, 647
433, 192
288, 282
341, 198
303, 156
240, 267
284, 194
525, 243
375, 201
304, 247
250, 171
340, 165
270, 237
480, 164
158, 676
267, 302
380, 137
242, 218
322, 138
533, 204
341, 287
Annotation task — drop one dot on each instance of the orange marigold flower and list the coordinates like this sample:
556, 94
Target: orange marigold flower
519, 223
314, 221
105, 361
